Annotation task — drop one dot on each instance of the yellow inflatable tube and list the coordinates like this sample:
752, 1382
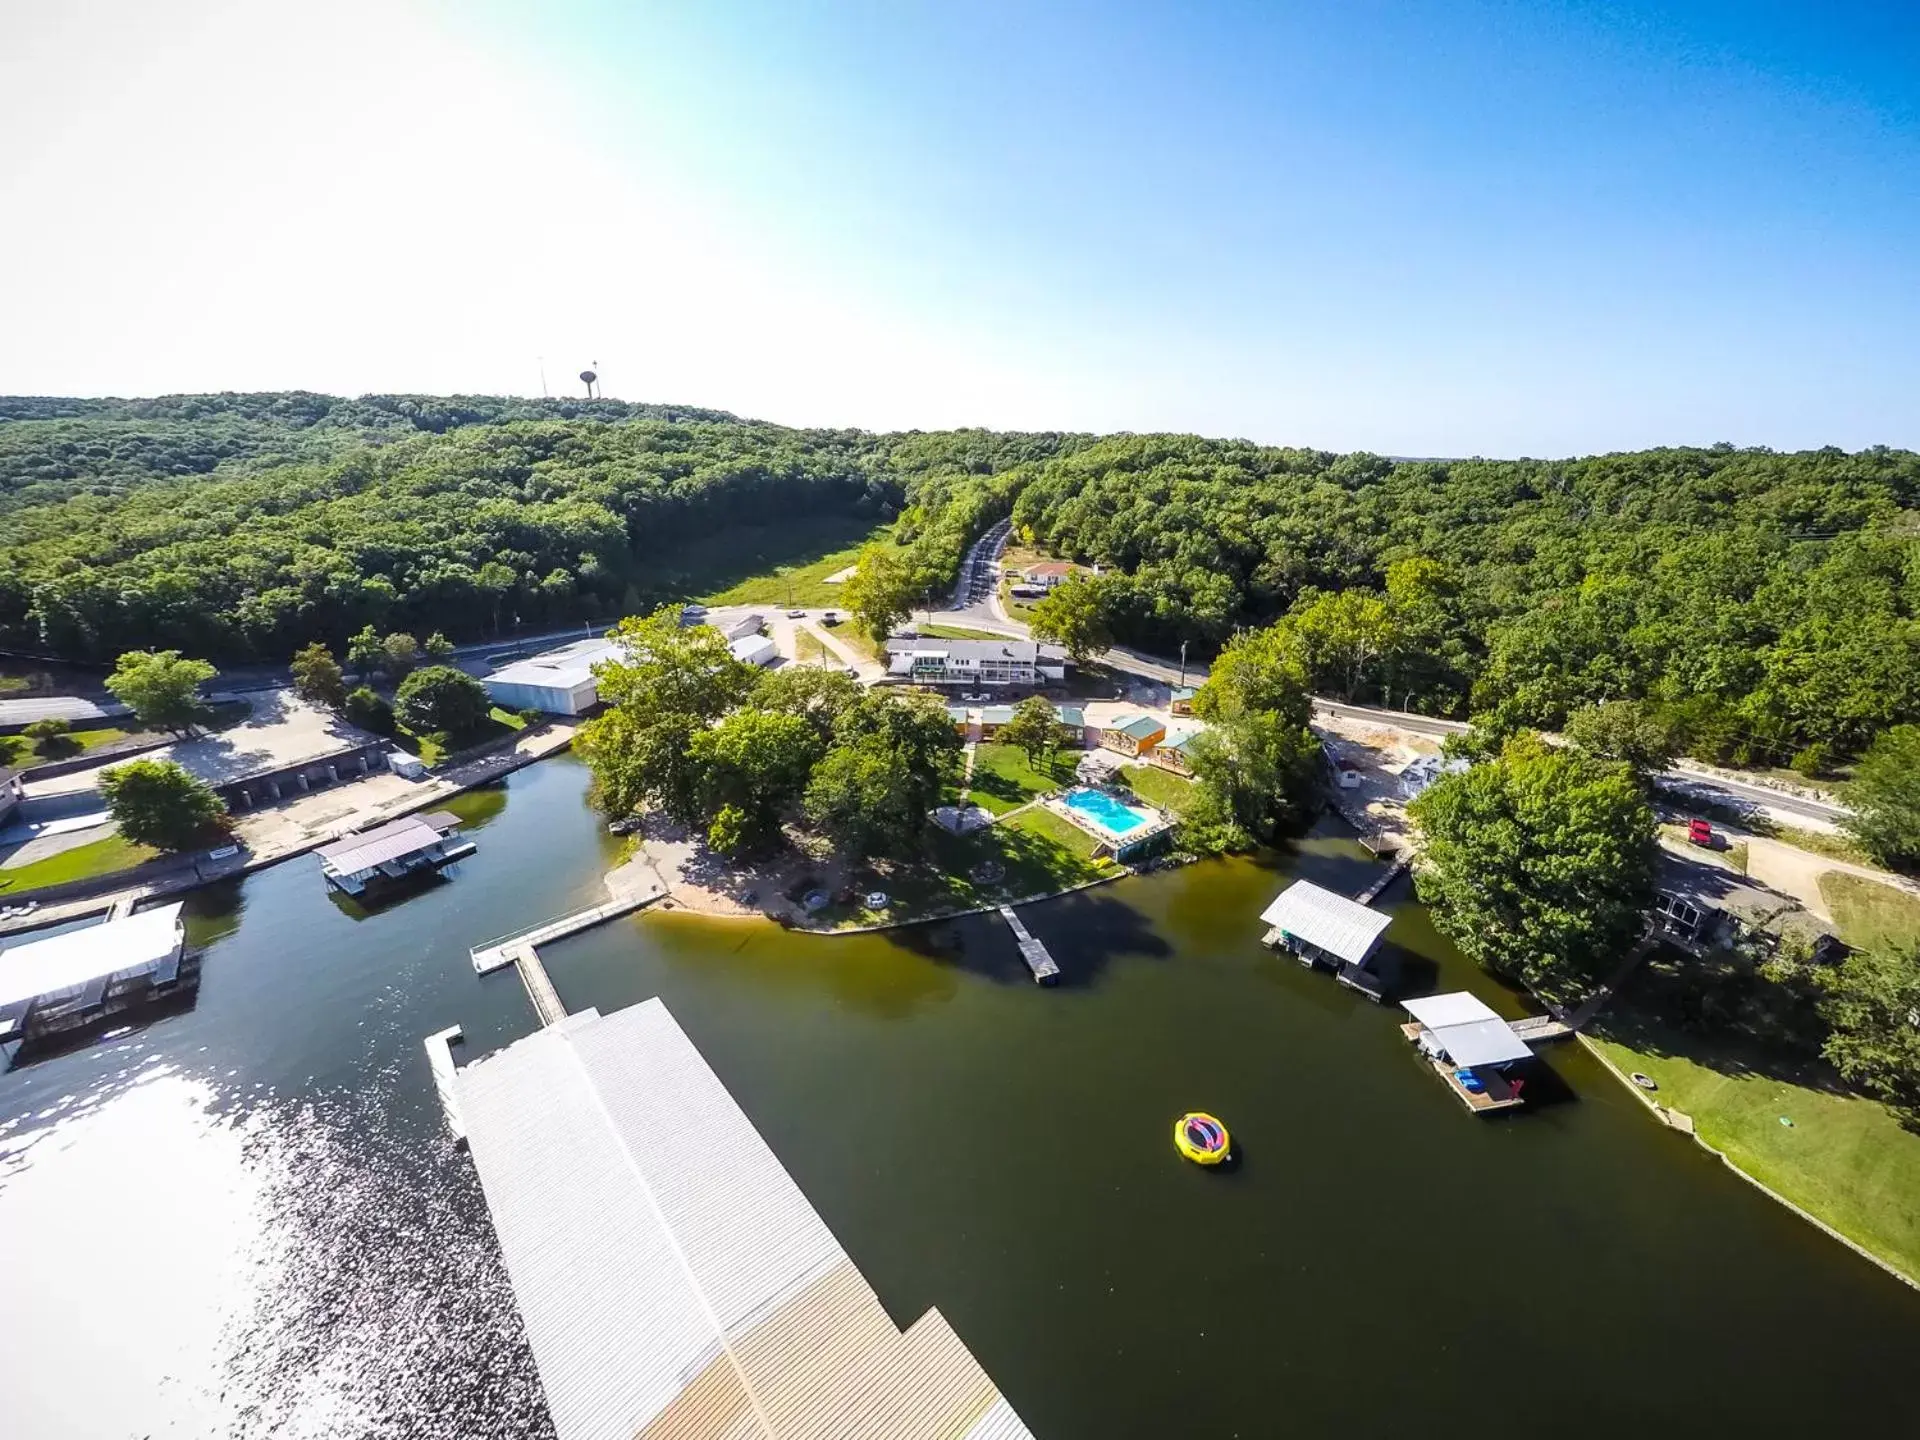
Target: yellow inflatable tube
1201, 1138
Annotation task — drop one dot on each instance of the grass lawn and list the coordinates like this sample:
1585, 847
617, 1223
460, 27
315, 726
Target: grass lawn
1820, 842
507, 718
97, 857
1870, 915
1844, 1158
1160, 787
1002, 779
808, 650
432, 753
784, 563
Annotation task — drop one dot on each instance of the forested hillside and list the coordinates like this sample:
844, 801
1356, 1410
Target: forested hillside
1768, 603
241, 526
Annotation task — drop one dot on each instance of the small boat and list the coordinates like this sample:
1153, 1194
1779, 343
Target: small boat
1201, 1138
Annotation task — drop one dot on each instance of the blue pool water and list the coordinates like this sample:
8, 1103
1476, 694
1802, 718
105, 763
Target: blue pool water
1115, 817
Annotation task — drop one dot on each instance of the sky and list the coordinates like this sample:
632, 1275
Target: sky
1413, 228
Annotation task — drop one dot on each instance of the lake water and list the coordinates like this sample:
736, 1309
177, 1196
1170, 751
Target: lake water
245, 1220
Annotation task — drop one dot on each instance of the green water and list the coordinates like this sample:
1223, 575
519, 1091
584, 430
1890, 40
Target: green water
1382, 1262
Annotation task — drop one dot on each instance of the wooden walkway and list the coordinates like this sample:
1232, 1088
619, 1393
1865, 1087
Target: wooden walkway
546, 1000
1392, 873
1045, 969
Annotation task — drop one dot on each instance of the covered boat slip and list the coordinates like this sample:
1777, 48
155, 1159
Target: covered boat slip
356, 863
673, 1278
1322, 927
68, 981
1471, 1048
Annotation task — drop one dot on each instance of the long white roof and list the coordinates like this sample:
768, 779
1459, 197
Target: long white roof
1326, 921
672, 1276
564, 668
1465, 1027
62, 962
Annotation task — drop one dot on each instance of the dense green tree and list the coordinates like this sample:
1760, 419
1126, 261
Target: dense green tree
161, 688
1036, 729
1344, 638
874, 789
753, 766
1539, 863
441, 700
368, 711
1261, 770
818, 695
438, 649
160, 803
1872, 1004
317, 676
1626, 730
366, 651
883, 588
1884, 799
1074, 614
399, 654
1259, 671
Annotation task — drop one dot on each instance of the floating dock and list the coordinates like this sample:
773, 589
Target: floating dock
446, 1077
632, 887
1536, 1028
1046, 970
533, 975
1392, 873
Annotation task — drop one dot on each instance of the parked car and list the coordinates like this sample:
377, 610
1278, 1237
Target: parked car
832, 617
796, 614
1700, 832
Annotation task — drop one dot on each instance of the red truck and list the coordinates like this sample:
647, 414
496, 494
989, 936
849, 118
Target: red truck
1701, 833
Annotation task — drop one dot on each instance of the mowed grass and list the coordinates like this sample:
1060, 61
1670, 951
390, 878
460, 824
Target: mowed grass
83, 862
1169, 791
1003, 780
785, 563
1869, 915
1844, 1158
957, 632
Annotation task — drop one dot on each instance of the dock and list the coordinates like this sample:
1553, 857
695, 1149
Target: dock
1392, 873
632, 887
1046, 970
445, 1077
1536, 1028
533, 975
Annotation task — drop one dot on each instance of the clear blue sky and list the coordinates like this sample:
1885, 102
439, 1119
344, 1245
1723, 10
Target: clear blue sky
1416, 228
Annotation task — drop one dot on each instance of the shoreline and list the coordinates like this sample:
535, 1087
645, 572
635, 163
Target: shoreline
1660, 1112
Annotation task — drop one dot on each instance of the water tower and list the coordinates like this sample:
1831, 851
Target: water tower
589, 379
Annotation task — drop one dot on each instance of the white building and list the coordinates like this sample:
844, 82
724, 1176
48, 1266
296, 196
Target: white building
68, 981
975, 662
744, 626
673, 1278
560, 682
754, 649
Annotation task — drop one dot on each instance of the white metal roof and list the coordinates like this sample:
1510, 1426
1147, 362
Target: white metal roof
354, 853
564, 668
753, 649
1436, 1012
1465, 1027
61, 962
672, 1276
1327, 921
54, 707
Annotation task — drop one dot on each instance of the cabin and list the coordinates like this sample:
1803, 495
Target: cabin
1470, 1047
387, 853
557, 682
992, 718
962, 719
67, 983
1134, 735
1073, 720
1320, 927
754, 649
1181, 701
1176, 755
1047, 574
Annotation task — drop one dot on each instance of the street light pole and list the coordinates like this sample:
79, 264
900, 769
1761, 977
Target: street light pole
1183, 664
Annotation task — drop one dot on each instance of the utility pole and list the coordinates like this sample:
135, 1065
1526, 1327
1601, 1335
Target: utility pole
1183, 664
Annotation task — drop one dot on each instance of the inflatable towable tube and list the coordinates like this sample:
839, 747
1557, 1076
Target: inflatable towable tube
1201, 1138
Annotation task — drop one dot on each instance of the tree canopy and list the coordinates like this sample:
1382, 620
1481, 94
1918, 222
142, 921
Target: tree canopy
441, 700
160, 687
159, 803
1538, 863
1884, 799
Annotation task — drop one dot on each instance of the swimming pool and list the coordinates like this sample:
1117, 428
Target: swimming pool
1114, 819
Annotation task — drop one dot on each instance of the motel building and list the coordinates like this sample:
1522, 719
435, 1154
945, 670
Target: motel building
1134, 735
1175, 755
974, 663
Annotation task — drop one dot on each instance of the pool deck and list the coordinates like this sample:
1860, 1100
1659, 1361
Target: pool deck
1155, 824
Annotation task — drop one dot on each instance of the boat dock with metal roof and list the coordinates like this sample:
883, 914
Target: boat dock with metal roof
1321, 927
68, 983
411, 845
673, 1278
